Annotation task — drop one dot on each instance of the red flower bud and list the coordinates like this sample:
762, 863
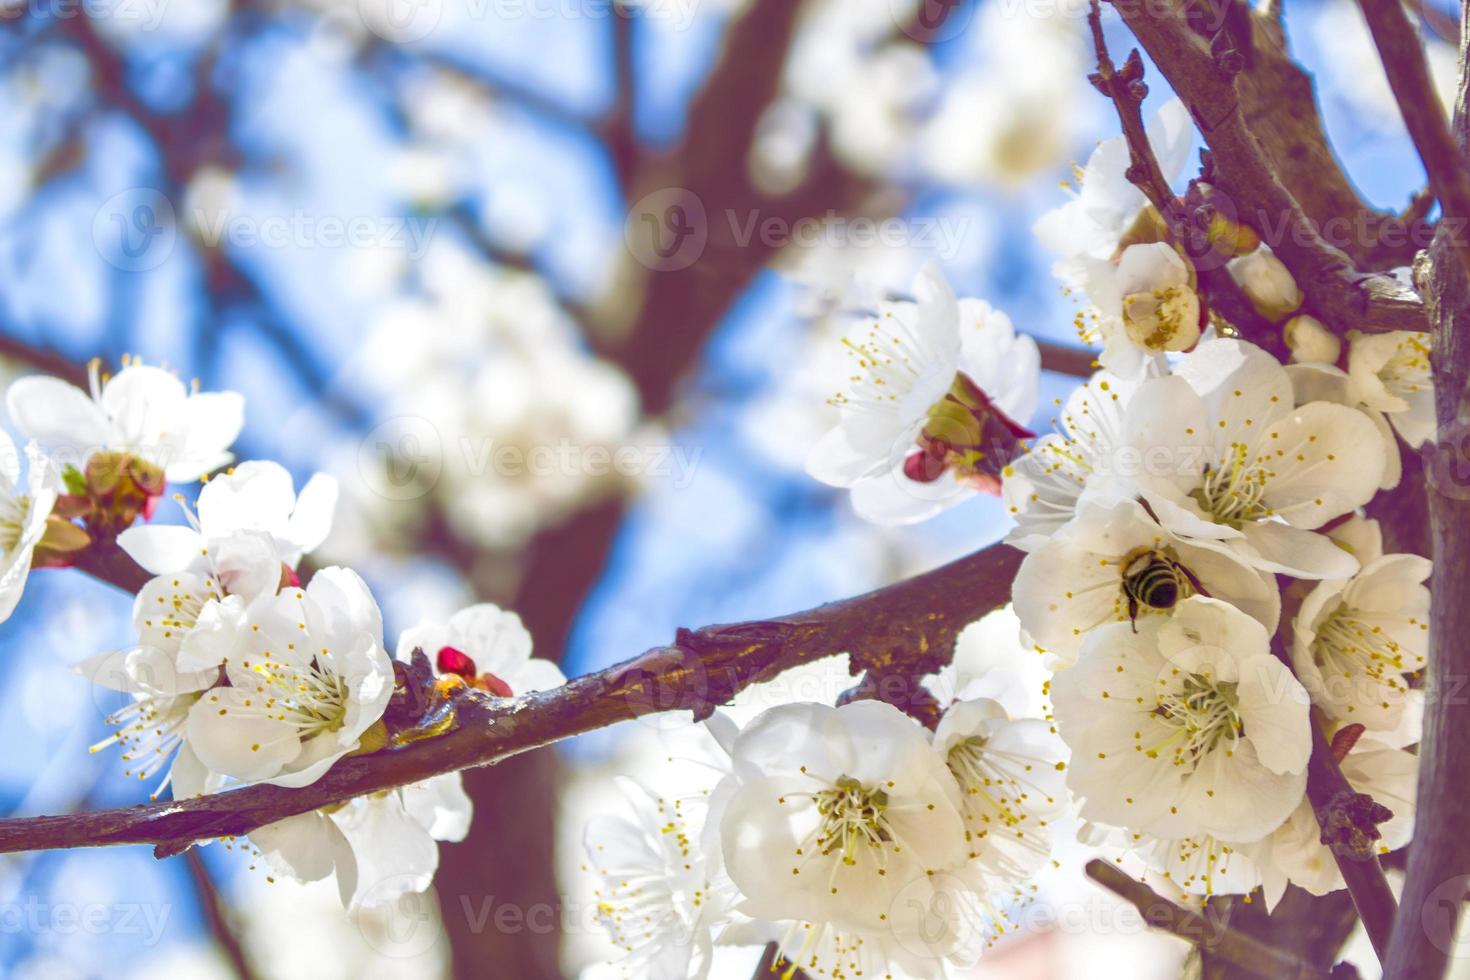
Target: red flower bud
452, 661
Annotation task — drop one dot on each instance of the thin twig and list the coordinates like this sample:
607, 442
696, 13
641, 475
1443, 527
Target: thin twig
1076, 362
1408, 75
42, 359
1339, 294
1333, 798
1126, 89
914, 622
216, 916
1243, 951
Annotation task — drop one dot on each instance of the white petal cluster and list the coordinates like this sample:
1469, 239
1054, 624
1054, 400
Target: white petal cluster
276, 689
925, 381
378, 847
142, 410
1390, 374
1106, 209
660, 899
1139, 292
854, 838
1116, 564
1387, 378
311, 678
1356, 640
242, 676
25, 503
1225, 454
1188, 725
1086, 453
1157, 521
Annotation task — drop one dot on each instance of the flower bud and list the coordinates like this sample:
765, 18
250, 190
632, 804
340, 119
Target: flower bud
1268, 284
1310, 341
120, 486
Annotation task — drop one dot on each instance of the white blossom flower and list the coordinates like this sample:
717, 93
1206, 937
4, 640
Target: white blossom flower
1145, 305
142, 410
836, 821
1189, 726
250, 533
1108, 210
1115, 564
659, 900
24, 506
151, 729
1011, 774
1390, 374
250, 522
1043, 487
1266, 283
1229, 456
1354, 639
494, 641
312, 680
380, 847
1390, 776
930, 407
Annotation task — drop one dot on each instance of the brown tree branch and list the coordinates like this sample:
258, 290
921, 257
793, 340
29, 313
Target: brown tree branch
1439, 861
1312, 927
913, 622
1402, 54
1350, 832
1278, 101
1339, 294
1244, 951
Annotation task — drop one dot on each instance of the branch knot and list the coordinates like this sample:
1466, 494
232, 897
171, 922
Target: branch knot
1350, 824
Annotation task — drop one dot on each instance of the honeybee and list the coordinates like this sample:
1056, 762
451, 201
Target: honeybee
1155, 581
